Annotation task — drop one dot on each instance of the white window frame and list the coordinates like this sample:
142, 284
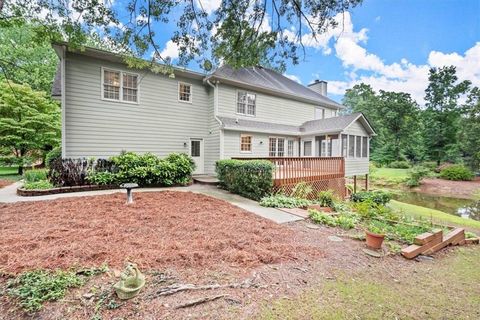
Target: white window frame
276, 146
311, 148
246, 105
287, 149
251, 142
191, 92
120, 96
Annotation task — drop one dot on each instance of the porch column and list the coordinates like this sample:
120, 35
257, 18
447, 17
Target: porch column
314, 143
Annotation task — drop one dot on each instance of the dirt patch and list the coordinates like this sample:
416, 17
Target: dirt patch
447, 188
161, 229
5, 182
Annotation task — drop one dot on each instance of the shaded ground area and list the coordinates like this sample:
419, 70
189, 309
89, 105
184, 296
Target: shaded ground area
161, 229
5, 182
454, 189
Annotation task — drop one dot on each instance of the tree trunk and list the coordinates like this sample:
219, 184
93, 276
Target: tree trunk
20, 170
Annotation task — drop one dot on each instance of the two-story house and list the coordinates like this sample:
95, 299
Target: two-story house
249, 112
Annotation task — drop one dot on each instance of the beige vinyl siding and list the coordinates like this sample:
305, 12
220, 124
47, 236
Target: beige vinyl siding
356, 166
159, 123
269, 108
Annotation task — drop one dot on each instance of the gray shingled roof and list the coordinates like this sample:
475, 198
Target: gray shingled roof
57, 82
329, 125
271, 80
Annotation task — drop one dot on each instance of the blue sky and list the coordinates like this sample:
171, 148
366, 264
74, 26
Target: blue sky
389, 44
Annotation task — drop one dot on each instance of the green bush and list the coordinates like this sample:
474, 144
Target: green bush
282, 201
322, 218
52, 155
399, 165
416, 174
249, 178
145, 169
326, 198
38, 185
456, 172
431, 165
378, 197
35, 175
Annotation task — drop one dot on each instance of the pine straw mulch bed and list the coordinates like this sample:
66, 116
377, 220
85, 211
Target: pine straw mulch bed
160, 230
5, 182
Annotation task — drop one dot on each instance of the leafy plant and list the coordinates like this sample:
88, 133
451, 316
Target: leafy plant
301, 190
326, 198
53, 155
322, 218
378, 197
249, 178
345, 222
399, 165
74, 172
457, 172
33, 288
282, 201
35, 175
38, 185
416, 174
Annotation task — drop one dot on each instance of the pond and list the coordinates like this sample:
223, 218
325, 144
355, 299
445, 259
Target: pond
460, 207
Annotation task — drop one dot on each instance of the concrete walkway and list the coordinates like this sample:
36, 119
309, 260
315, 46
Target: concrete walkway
8, 195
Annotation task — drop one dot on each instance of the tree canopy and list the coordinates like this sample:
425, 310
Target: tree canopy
238, 32
29, 124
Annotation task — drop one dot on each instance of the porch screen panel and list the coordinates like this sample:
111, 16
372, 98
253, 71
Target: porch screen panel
351, 146
358, 152
344, 145
365, 147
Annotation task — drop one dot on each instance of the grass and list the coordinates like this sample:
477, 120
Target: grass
9, 173
389, 175
437, 216
439, 291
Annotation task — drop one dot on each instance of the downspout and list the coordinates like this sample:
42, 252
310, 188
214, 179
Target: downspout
215, 115
63, 101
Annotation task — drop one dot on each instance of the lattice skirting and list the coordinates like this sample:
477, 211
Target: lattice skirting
335, 184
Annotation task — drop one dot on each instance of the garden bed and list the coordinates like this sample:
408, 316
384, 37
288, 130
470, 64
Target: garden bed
43, 192
159, 230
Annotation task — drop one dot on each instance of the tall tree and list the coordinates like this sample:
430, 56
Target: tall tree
260, 30
470, 129
29, 124
25, 60
442, 116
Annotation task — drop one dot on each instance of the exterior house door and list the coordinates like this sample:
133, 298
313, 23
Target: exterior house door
196, 152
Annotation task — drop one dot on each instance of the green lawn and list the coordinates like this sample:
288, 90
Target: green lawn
389, 175
437, 216
9, 173
440, 290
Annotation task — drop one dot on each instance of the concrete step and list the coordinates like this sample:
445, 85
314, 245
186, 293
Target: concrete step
205, 179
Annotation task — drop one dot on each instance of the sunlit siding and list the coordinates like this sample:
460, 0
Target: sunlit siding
159, 123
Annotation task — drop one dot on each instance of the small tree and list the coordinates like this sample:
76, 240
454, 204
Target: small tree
29, 124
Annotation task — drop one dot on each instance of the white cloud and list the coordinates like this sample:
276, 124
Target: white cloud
363, 66
170, 50
293, 77
208, 5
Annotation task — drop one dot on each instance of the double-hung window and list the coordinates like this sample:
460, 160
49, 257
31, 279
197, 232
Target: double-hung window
184, 92
119, 86
246, 103
276, 147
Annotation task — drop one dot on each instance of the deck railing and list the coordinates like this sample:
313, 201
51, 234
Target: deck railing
320, 172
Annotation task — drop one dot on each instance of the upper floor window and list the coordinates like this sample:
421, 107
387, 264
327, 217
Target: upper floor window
184, 92
319, 113
120, 86
246, 102
245, 143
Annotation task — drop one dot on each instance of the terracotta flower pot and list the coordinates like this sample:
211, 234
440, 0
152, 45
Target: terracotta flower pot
374, 240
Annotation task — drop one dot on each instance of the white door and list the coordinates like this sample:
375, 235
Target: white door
196, 152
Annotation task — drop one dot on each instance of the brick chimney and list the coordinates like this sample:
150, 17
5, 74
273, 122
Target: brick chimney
319, 86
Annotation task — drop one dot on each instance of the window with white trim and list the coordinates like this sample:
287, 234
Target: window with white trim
276, 147
184, 92
290, 148
245, 143
307, 148
246, 103
120, 86
319, 113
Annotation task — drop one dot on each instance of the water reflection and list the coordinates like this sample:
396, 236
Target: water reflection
471, 211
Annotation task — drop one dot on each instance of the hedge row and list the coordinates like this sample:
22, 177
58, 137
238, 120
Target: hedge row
249, 178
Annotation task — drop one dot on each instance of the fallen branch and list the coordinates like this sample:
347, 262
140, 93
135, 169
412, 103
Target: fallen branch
200, 301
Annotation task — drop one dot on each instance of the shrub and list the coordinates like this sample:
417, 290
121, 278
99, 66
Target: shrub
74, 172
183, 167
378, 197
456, 172
322, 218
399, 165
431, 165
249, 178
282, 201
416, 174
38, 185
325, 198
52, 155
35, 175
